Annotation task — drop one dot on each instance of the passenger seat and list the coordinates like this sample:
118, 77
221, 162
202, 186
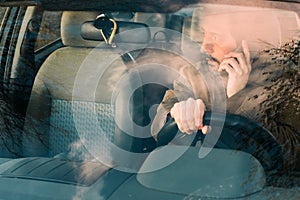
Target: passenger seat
73, 89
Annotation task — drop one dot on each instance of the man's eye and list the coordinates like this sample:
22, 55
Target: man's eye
214, 37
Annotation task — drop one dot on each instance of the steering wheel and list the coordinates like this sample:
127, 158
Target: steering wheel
238, 133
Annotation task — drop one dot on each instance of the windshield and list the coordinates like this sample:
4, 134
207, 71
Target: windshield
131, 100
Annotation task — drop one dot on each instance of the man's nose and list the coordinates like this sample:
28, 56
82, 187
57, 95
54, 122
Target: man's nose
206, 45
207, 48
202, 49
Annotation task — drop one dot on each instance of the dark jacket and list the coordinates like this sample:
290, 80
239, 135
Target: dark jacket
271, 97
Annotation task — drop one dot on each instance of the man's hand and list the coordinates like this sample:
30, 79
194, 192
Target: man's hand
238, 67
189, 116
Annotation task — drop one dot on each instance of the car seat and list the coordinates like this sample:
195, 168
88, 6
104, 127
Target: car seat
72, 92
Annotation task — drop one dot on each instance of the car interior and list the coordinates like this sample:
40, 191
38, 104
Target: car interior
85, 60
53, 95
96, 93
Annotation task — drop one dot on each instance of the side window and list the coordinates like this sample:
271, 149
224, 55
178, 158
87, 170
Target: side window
11, 19
2, 11
49, 29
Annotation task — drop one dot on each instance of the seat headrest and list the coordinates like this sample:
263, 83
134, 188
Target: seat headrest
78, 30
262, 28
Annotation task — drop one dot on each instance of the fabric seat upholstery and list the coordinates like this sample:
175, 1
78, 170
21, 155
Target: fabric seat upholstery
61, 106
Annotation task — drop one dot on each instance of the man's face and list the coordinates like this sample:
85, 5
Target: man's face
217, 39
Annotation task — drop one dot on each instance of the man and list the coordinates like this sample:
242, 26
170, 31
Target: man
257, 86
